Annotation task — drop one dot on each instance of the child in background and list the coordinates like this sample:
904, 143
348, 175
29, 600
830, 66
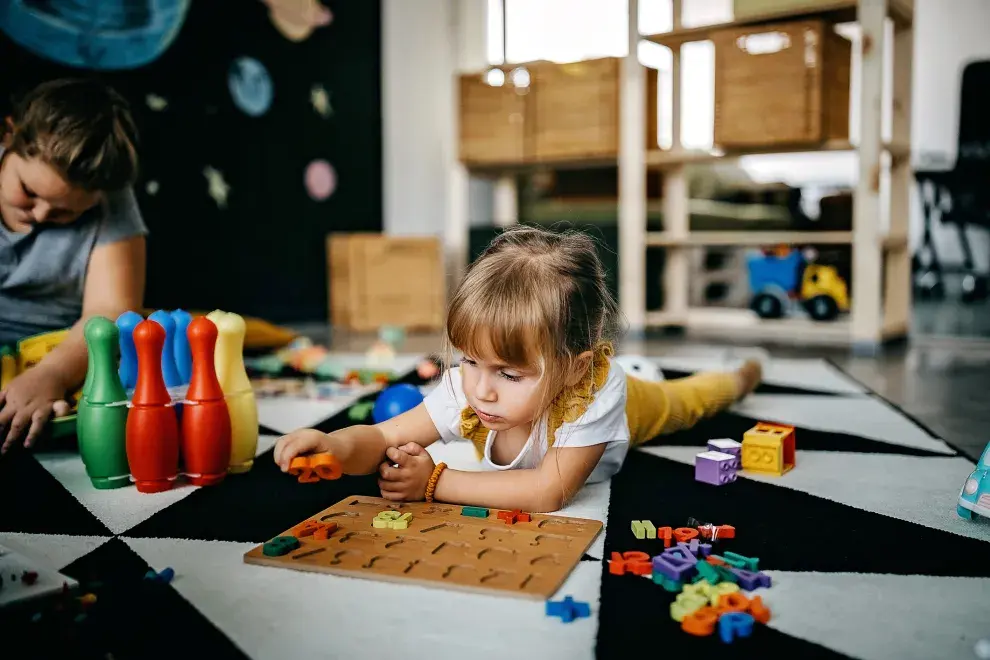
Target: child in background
72, 240
536, 391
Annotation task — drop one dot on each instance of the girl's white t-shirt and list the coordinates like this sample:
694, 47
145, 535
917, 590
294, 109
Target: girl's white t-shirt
604, 422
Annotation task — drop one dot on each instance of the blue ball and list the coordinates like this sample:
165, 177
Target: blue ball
395, 400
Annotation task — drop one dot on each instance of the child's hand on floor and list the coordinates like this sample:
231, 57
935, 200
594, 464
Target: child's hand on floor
405, 475
27, 404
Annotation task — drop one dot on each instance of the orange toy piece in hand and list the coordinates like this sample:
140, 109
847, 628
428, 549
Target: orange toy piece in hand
314, 467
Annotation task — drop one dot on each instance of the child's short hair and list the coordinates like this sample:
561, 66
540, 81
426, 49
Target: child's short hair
81, 128
535, 297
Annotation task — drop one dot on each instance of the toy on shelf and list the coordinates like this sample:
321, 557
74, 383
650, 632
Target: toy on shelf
715, 467
782, 280
141, 438
769, 449
439, 548
974, 497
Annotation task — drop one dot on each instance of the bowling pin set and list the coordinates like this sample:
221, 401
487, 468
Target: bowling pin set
191, 410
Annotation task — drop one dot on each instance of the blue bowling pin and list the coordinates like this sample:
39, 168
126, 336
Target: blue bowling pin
169, 371
126, 323
183, 354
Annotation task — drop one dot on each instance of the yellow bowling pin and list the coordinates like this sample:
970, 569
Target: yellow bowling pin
236, 386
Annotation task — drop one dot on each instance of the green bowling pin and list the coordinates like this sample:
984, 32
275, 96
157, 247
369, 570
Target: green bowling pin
102, 420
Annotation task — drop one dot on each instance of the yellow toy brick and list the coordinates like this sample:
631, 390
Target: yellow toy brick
392, 520
769, 449
686, 604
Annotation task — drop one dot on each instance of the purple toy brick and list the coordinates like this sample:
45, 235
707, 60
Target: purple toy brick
695, 547
675, 563
749, 581
715, 468
726, 446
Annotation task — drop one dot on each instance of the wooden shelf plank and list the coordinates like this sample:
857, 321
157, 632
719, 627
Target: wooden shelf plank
748, 238
837, 11
745, 325
665, 158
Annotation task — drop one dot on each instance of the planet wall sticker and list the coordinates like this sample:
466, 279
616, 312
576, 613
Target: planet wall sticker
297, 19
94, 34
250, 86
320, 180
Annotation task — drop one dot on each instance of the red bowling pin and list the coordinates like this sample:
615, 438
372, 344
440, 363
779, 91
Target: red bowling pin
152, 425
205, 419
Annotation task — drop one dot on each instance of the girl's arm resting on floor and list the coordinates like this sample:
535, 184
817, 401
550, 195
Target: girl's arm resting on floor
361, 449
546, 488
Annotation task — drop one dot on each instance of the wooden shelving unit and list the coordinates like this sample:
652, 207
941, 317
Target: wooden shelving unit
881, 286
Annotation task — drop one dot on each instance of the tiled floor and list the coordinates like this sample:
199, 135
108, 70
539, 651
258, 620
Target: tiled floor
944, 383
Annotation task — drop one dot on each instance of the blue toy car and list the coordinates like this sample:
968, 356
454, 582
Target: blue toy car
975, 494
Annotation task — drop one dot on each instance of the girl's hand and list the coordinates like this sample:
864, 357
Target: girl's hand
298, 443
28, 403
405, 475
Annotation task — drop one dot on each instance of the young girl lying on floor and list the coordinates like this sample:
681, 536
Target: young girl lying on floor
536, 391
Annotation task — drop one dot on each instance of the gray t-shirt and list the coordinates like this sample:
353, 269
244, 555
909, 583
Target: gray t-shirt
42, 273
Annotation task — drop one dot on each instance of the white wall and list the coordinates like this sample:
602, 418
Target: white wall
417, 108
422, 45
948, 34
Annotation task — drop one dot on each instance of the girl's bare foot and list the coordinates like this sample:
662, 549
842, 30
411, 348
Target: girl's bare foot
748, 376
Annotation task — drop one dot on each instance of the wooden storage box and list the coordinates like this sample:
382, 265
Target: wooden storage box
569, 111
380, 280
492, 121
781, 84
576, 110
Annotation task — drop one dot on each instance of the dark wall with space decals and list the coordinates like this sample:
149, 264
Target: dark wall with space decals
261, 133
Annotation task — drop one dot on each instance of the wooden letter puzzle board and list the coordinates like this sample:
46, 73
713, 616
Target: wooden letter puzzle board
442, 548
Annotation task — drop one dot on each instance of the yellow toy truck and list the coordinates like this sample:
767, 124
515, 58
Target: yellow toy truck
782, 279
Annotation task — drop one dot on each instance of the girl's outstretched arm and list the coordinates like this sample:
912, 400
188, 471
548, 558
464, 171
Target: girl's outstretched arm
546, 488
360, 449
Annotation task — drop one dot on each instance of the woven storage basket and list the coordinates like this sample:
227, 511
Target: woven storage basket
781, 84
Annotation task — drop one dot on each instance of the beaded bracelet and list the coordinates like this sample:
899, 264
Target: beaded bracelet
431, 485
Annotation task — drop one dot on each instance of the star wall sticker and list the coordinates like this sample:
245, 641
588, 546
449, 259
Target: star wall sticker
218, 188
319, 98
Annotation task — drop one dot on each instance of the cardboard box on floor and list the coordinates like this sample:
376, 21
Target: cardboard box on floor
377, 280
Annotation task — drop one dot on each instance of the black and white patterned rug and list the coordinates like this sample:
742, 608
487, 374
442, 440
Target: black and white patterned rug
867, 556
